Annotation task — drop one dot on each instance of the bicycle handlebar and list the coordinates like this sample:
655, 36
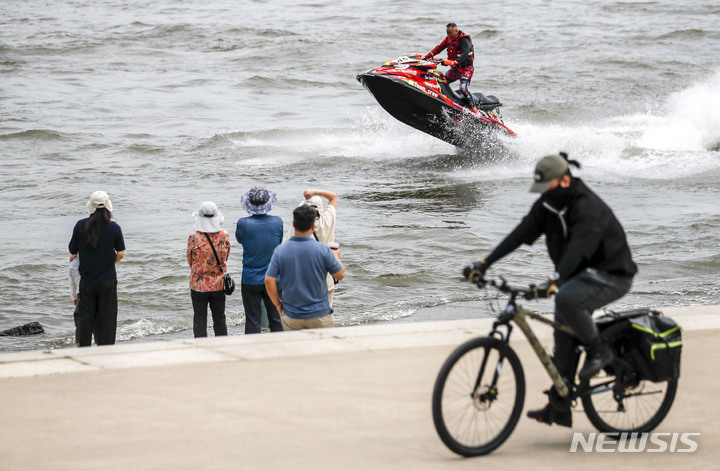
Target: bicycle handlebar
529, 292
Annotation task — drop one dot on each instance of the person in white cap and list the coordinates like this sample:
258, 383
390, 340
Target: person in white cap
327, 215
593, 267
99, 242
206, 277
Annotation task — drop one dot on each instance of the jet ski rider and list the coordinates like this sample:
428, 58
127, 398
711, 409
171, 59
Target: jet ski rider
461, 55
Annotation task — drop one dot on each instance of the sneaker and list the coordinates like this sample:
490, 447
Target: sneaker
598, 358
549, 415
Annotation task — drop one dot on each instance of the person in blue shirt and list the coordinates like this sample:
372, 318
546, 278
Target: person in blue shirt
258, 234
301, 266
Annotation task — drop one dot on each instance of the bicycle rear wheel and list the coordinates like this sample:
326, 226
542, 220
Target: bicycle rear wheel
641, 409
477, 399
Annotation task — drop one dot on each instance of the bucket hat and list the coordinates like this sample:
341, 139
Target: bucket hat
259, 200
208, 217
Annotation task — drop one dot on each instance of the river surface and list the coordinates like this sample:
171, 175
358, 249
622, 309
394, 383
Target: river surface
169, 103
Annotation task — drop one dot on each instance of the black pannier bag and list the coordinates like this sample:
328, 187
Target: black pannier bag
657, 344
650, 342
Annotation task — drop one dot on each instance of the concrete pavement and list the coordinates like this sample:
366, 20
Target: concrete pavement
344, 398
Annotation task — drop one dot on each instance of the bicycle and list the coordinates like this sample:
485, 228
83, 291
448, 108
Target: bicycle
477, 400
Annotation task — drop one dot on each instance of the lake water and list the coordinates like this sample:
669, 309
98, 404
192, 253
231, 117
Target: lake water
170, 103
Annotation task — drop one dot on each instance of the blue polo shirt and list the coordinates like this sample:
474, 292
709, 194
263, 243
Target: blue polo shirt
301, 266
259, 235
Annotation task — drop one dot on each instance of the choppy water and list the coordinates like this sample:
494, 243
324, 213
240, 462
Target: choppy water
167, 104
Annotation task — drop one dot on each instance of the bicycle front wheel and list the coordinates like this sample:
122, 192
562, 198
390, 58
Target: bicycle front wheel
478, 396
640, 408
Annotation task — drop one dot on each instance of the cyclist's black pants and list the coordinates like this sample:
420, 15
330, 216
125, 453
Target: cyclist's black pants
575, 302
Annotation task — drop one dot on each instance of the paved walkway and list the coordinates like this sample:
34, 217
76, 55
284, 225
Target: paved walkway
354, 398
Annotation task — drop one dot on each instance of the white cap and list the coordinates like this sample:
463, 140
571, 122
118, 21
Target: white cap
99, 199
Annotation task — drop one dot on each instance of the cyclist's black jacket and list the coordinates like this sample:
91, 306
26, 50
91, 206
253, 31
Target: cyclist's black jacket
581, 232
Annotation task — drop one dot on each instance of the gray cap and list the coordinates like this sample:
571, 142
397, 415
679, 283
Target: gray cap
548, 169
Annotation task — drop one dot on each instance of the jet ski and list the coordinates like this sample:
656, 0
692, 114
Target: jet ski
414, 92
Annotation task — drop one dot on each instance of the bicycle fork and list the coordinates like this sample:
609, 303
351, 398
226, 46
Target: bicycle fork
485, 397
482, 398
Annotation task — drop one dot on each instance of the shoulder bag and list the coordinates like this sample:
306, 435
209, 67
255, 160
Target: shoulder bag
228, 283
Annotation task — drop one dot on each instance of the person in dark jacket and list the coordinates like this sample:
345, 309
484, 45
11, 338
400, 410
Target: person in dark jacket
99, 242
593, 264
461, 56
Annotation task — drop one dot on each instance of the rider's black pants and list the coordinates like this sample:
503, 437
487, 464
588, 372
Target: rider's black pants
464, 82
575, 302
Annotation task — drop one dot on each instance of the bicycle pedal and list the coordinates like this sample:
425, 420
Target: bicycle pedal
544, 421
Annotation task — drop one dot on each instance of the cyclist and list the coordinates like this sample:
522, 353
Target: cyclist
593, 267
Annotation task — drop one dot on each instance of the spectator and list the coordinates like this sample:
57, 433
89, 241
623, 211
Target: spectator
74, 278
259, 234
326, 215
206, 277
301, 266
324, 224
99, 242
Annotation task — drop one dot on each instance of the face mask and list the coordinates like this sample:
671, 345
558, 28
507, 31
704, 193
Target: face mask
558, 196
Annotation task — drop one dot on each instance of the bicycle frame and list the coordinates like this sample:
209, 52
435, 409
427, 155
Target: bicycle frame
520, 316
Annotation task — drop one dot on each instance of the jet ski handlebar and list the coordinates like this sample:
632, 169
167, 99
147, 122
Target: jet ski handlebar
447, 62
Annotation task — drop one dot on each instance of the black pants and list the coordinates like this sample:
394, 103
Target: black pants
252, 296
97, 313
575, 302
464, 82
200, 302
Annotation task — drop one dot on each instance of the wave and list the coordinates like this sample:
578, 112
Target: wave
675, 137
689, 119
369, 135
683, 34
34, 134
679, 137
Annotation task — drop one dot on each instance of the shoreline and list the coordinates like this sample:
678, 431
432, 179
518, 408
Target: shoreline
452, 311
176, 351
352, 398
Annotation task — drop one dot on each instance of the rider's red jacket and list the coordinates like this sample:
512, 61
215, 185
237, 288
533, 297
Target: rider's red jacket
460, 50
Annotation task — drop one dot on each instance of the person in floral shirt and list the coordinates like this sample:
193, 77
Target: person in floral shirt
206, 277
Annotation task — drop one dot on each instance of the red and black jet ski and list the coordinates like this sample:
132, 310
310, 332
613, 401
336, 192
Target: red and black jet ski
412, 90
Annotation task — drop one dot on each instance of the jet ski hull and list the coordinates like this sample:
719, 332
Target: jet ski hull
408, 105
420, 97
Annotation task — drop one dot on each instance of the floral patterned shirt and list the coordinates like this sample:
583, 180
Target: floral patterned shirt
205, 275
